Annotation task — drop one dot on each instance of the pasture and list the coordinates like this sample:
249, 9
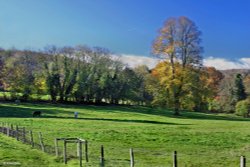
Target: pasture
200, 139
13, 153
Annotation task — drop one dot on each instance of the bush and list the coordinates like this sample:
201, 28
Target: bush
214, 106
243, 108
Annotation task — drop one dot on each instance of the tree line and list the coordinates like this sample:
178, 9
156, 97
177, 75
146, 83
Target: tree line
88, 75
77, 74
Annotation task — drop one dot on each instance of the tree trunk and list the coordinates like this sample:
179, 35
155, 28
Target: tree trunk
98, 101
177, 102
114, 101
53, 96
61, 98
176, 106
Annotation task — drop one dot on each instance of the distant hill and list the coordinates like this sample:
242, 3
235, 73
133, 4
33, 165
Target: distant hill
232, 72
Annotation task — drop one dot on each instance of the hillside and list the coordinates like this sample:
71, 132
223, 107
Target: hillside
232, 72
13, 153
200, 139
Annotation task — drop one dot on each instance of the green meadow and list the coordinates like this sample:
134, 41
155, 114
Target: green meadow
12, 153
200, 139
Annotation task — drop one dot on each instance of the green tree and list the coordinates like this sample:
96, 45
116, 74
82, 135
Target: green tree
2, 63
243, 108
142, 76
19, 73
238, 91
61, 72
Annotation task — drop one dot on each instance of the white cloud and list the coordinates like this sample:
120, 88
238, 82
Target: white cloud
135, 60
218, 63
224, 64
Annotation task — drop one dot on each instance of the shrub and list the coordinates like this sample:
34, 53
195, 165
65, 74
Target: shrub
243, 108
214, 105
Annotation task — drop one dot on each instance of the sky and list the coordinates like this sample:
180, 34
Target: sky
127, 27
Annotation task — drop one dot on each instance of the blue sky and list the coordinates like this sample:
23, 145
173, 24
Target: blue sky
124, 26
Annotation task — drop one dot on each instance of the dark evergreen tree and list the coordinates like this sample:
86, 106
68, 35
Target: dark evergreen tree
239, 89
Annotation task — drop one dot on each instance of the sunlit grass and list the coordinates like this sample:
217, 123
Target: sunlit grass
200, 139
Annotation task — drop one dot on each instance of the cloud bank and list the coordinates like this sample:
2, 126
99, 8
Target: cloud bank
218, 63
224, 64
135, 60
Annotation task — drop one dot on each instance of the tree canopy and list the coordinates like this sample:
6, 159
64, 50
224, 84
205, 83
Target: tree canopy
179, 43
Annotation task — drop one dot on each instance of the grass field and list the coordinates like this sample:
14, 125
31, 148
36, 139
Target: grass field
12, 153
7, 96
201, 140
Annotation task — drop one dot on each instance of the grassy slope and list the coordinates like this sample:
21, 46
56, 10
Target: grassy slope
13, 153
200, 139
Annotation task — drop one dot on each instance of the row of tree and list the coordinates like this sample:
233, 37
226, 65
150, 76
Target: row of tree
80, 74
92, 75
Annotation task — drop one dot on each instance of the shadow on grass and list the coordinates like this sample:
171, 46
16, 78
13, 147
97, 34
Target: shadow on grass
164, 112
26, 110
185, 114
118, 120
20, 111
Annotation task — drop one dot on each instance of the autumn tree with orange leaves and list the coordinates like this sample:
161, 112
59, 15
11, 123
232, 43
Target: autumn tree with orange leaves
199, 86
178, 43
